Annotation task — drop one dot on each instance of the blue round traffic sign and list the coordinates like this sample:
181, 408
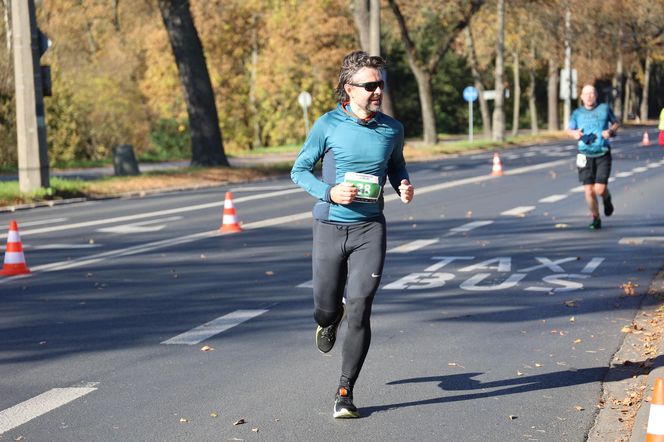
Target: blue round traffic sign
470, 93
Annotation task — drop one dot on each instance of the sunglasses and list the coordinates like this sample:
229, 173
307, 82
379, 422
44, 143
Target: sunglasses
370, 86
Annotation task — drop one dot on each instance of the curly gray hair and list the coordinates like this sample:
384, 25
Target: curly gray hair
353, 62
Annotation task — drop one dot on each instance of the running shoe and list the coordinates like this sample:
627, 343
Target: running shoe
343, 404
327, 336
596, 224
608, 205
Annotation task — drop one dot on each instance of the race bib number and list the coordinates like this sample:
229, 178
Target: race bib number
368, 189
581, 160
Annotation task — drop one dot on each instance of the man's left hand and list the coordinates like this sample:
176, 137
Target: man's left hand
406, 191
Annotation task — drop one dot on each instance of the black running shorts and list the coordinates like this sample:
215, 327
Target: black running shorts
597, 170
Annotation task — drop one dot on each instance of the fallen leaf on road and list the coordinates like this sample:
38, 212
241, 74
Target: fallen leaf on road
562, 226
572, 319
269, 273
207, 348
572, 303
255, 430
519, 373
577, 341
239, 422
214, 414
512, 417
537, 364
629, 288
184, 420
579, 408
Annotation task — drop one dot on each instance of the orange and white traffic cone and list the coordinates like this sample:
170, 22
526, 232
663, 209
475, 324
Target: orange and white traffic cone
229, 222
14, 259
646, 138
497, 169
655, 431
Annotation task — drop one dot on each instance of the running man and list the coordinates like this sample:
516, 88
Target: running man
361, 148
592, 125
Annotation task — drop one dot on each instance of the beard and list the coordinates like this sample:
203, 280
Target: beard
374, 104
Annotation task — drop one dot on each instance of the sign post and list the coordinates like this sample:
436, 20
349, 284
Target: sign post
470, 95
304, 99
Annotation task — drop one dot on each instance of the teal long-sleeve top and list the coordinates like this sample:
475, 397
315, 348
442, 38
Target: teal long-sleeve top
345, 143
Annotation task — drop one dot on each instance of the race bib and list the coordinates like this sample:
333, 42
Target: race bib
581, 160
367, 186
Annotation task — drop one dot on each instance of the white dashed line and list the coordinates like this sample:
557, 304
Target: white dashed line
214, 327
413, 245
553, 198
468, 227
26, 411
518, 211
639, 169
624, 174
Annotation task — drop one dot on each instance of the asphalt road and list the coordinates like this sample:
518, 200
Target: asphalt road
497, 316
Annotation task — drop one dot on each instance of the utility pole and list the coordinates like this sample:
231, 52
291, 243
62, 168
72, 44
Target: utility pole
29, 43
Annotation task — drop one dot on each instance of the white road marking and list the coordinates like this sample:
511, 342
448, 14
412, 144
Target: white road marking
139, 227
624, 174
653, 165
553, 198
638, 240
639, 169
414, 245
214, 327
577, 189
258, 188
36, 223
289, 219
468, 227
26, 411
61, 246
185, 209
518, 211
592, 265
306, 285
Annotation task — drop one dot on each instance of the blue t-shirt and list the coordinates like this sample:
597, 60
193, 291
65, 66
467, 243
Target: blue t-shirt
347, 144
593, 121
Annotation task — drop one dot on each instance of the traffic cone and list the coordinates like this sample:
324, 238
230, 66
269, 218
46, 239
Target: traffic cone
229, 222
14, 258
497, 169
646, 138
655, 429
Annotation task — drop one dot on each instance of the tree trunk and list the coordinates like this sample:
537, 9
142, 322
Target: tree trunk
8, 27
477, 79
499, 108
362, 23
646, 88
532, 103
617, 83
567, 106
207, 148
366, 14
423, 79
516, 95
552, 96
253, 103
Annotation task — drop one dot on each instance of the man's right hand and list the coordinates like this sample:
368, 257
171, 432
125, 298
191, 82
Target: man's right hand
343, 193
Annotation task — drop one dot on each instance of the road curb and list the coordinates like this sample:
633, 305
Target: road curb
656, 297
624, 386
